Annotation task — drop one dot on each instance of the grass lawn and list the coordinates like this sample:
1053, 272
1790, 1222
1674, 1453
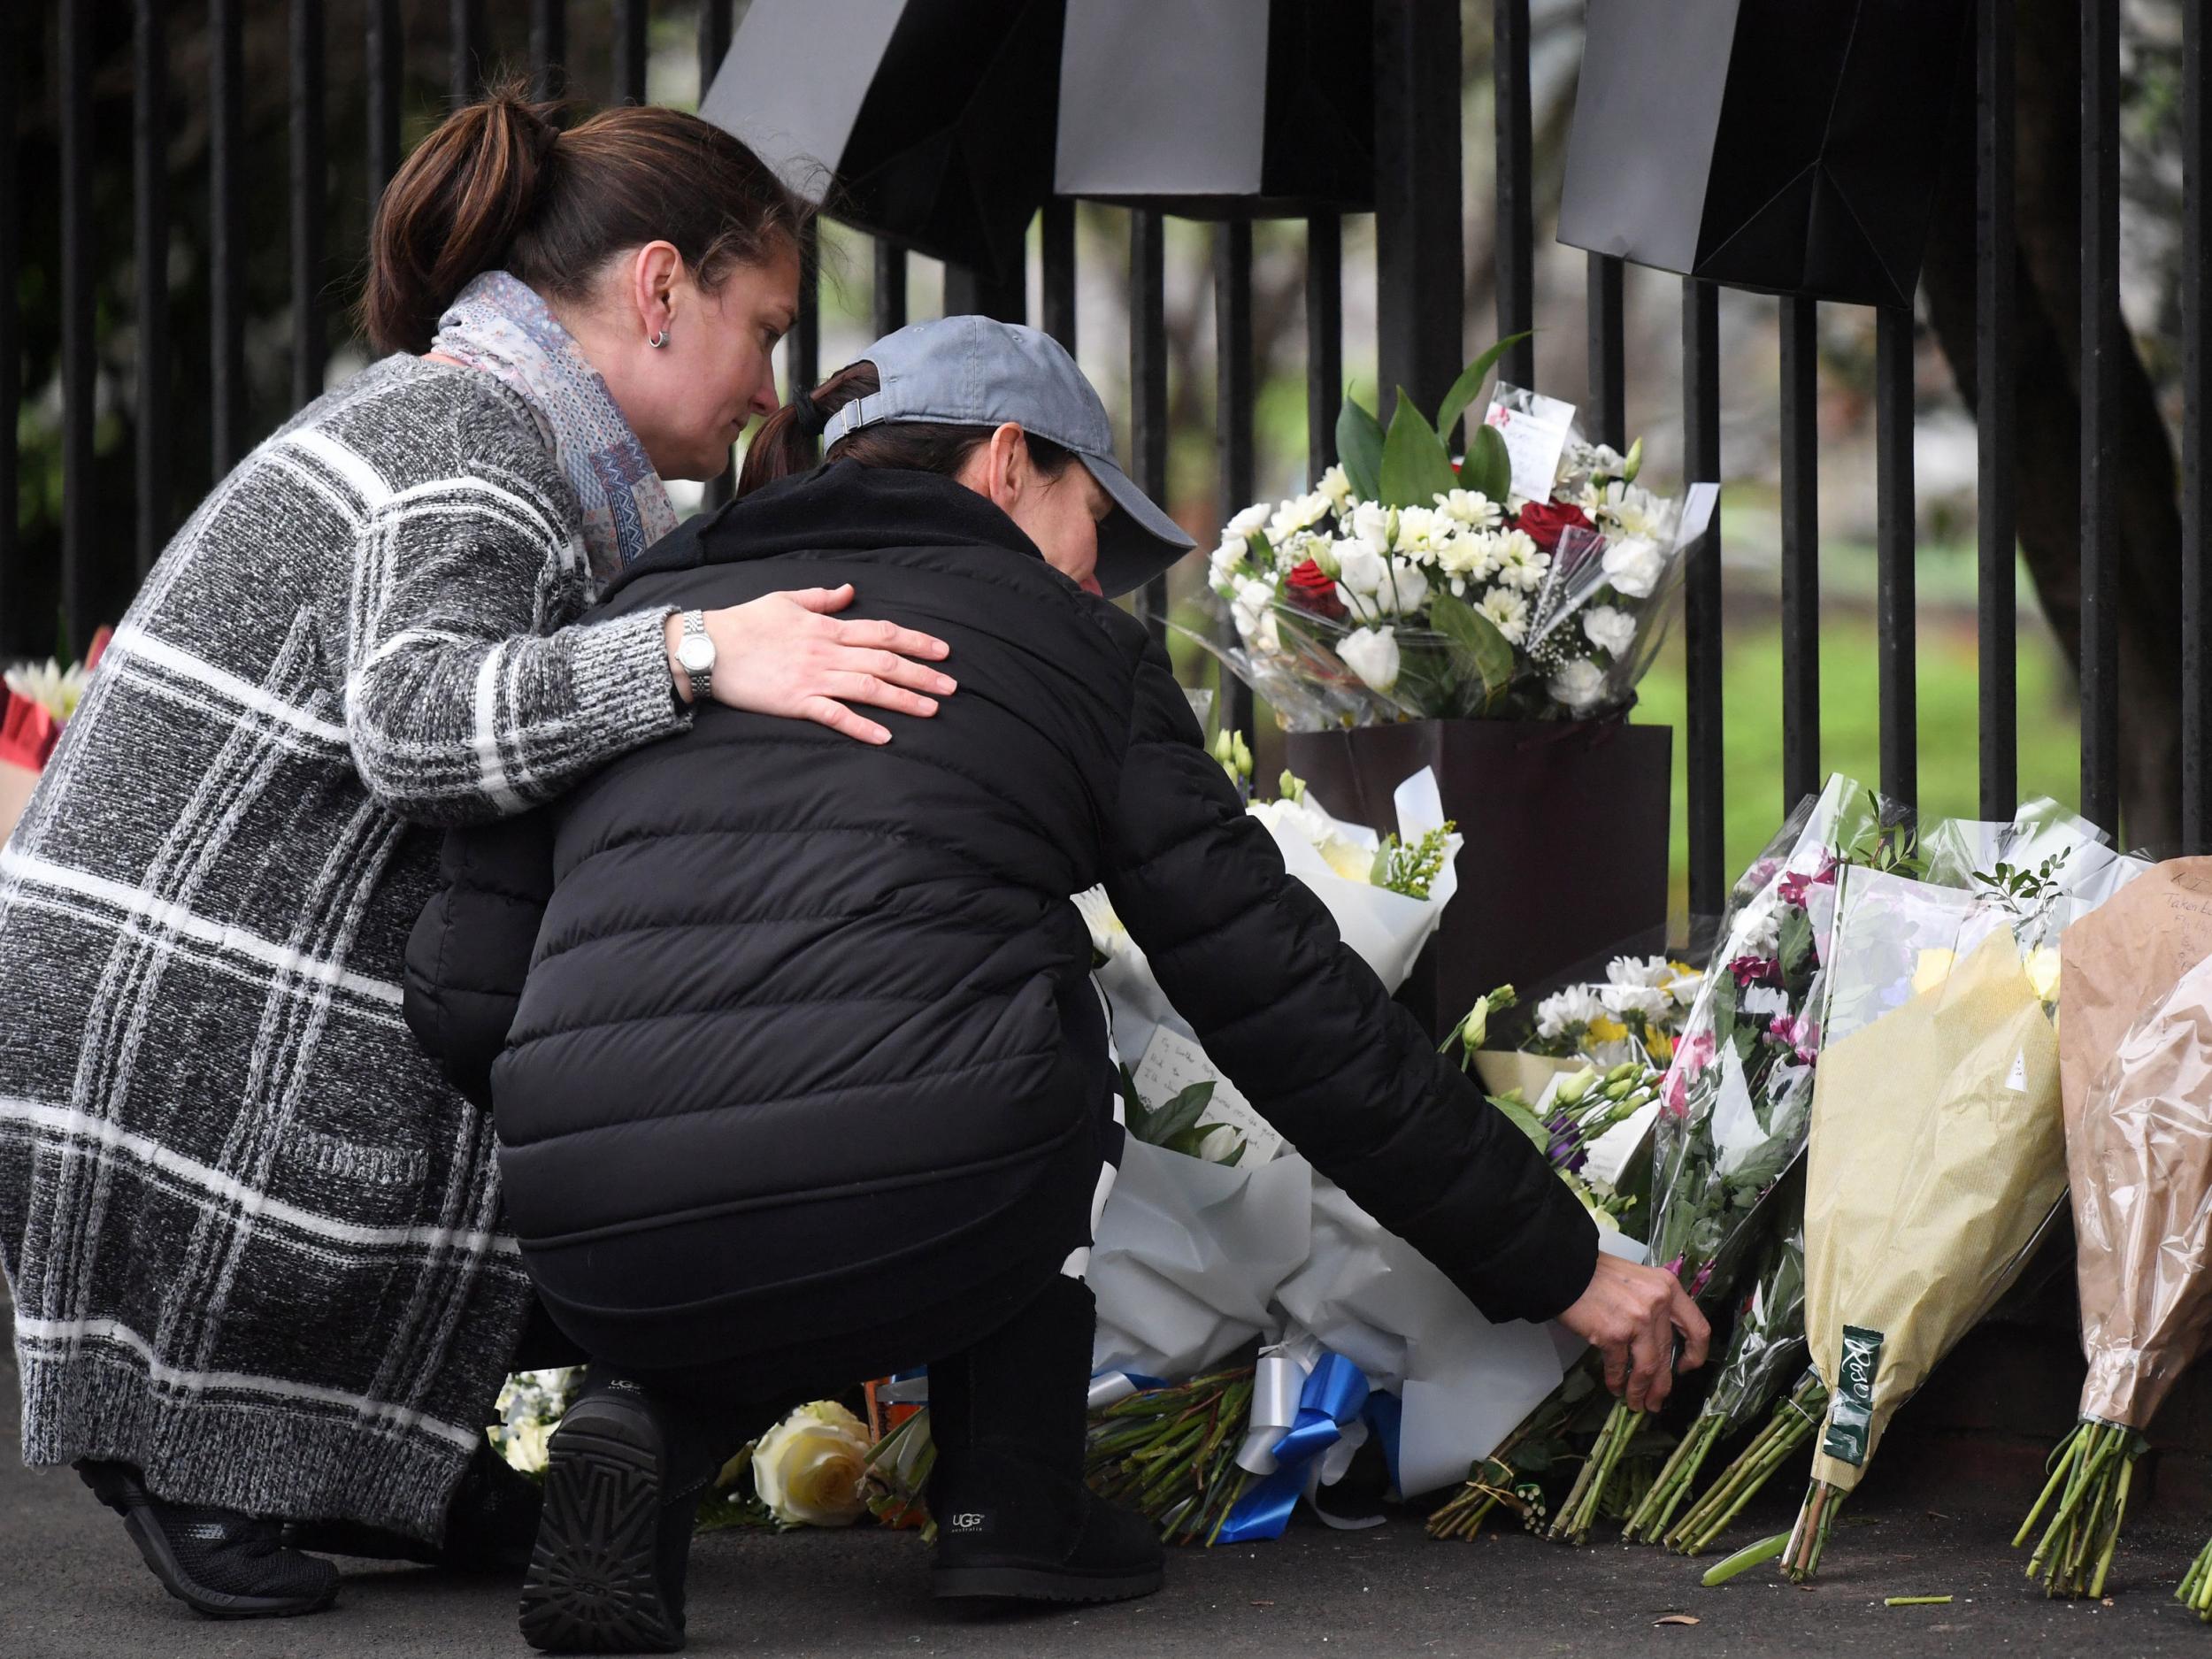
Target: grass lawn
1751, 696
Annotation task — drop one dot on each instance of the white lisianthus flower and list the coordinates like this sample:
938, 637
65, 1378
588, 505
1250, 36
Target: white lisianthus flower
1253, 605
1253, 518
1568, 1012
1609, 628
808, 1468
1360, 569
1219, 1144
1336, 484
1222, 566
1508, 611
1634, 565
1469, 507
1521, 562
1372, 654
1581, 685
1403, 589
1299, 513
1371, 523
1423, 532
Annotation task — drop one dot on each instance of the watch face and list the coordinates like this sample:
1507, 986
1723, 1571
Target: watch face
696, 654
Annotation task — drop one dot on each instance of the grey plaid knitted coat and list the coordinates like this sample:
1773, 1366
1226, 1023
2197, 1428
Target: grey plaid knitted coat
255, 1240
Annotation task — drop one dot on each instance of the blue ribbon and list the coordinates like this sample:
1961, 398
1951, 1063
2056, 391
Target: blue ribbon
1333, 1397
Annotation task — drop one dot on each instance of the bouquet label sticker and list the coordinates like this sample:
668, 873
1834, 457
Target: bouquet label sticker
2017, 1079
1535, 429
1172, 1063
1851, 1408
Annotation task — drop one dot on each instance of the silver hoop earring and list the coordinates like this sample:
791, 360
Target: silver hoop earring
657, 340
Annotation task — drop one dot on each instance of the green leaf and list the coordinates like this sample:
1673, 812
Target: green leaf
1488, 467
1479, 652
1524, 1118
1359, 447
1181, 1113
1416, 470
1469, 382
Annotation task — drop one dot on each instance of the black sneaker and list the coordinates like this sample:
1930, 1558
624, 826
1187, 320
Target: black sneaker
491, 1527
218, 1562
1010, 1528
615, 1538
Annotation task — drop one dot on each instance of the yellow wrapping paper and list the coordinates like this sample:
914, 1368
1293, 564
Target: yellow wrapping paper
1938, 1152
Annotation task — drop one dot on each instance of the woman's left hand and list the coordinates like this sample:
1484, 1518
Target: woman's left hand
785, 654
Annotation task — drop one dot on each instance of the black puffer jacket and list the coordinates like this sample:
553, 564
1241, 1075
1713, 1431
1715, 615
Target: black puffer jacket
807, 1020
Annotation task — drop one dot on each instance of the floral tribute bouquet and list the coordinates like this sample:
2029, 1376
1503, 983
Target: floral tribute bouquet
1765, 1349
1737, 1098
2138, 1152
36, 702
1405, 586
1937, 1150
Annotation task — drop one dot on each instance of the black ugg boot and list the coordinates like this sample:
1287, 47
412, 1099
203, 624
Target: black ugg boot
1014, 1518
217, 1562
622, 1486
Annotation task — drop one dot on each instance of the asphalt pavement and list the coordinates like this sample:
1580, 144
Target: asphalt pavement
72, 1585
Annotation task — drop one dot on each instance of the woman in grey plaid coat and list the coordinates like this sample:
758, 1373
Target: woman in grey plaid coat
254, 1240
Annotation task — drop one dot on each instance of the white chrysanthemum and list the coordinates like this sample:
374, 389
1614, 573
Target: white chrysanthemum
1642, 1002
1372, 654
1568, 1013
1629, 510
1336, 484
1507, 611
1423, 532
58, 688
1300, 512
1253, 518
1469, 507
1521, 562
1610, 629
1634, 565
1646, 970
1472, 554
1579, 685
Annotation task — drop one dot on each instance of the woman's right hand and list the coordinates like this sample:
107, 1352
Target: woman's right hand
1631, 1314
785, 654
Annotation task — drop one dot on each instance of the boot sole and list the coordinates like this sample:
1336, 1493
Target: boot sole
153, 1547
594, 1584
1042, 1584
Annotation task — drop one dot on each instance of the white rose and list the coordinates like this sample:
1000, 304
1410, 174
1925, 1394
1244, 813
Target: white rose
1634, 564
808, 1468
1508, 611
1296, 515
1336, 484
1372, 654
1253, 518
1469, 507
1579, 685
1610, 629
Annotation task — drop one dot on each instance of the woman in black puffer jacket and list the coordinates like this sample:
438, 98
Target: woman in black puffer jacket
808, 1081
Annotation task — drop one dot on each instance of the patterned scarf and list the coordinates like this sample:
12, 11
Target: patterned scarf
499, 325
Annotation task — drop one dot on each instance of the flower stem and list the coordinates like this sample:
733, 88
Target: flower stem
1648, 1522
1579, 1513
1788, 1429
2092, 1471
1809, 1538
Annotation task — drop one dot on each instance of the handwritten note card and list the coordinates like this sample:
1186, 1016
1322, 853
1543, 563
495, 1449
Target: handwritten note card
1173, 1063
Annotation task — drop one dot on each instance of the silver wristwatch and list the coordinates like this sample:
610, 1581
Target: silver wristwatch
695, 655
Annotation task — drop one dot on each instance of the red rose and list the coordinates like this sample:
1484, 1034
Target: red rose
1544, 522
1313, 588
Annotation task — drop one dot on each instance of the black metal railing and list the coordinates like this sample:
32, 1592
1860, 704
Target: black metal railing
1420, 290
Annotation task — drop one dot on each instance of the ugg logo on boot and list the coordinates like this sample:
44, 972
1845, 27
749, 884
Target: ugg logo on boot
968, 1521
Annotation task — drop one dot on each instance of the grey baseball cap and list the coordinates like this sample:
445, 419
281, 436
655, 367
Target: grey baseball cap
975, 372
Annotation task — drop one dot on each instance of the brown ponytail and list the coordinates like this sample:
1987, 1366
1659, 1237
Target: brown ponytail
500, 185
784, 443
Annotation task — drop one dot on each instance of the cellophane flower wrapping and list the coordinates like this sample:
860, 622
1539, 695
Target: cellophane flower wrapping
1737, 1100
1766, 1349
2139, 1155
1938, 1152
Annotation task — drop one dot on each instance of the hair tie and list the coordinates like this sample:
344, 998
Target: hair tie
813, 419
